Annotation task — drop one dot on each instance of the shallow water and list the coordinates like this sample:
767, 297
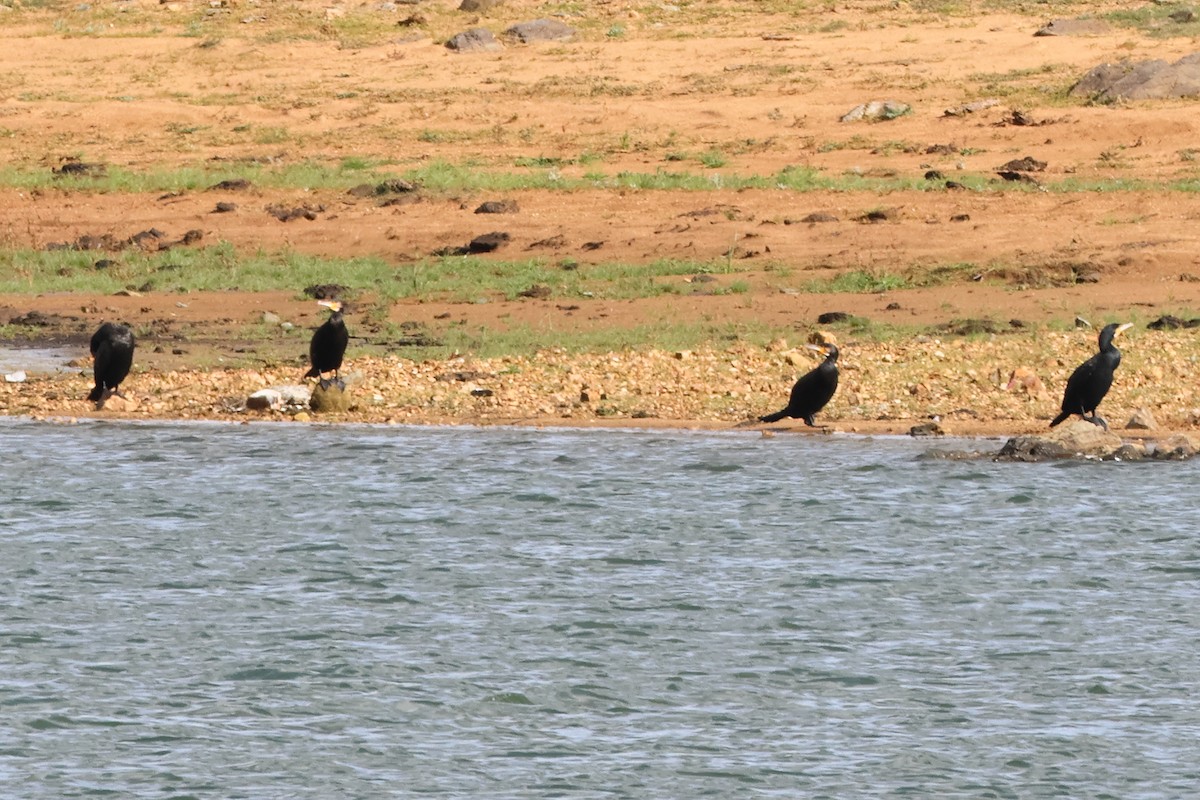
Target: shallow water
39, 360
224, 611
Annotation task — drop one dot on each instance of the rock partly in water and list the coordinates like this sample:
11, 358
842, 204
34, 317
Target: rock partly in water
328, 399
1179, 447
1074, 439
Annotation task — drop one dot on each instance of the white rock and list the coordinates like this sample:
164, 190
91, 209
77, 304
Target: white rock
265, 399
15, 377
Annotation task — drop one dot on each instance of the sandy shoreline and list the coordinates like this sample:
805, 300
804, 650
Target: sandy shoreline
887, 388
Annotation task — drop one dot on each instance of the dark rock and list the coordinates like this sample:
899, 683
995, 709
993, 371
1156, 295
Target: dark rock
75, 167
1019, 118
498, 207
224, 208
830, 317
926, 429
1017, 177
539, 291
231, 185
462, 376
482, 393
326, 291
941, 149
540, 30
285, 214
1183, 16
960, 218
1130, 451
934, 175
590, 246
476, 6
556, 242
819, 216
37, 319
971, 327
104, 263
1167, 322
880, 215
476, 40
488, 242
1073, 27
148, 239
1026, 164
1142, 80
1073, 439
391, 186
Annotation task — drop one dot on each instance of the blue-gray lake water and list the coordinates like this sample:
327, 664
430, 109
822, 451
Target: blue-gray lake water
262, 611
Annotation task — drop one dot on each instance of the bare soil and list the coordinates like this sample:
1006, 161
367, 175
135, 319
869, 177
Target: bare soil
763, 90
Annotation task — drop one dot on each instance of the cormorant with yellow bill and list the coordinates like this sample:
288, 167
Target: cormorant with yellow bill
328, 345
813, 390
1092, 379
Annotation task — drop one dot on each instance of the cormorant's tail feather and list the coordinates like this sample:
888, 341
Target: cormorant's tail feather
1060, 418
313, 373
778, 415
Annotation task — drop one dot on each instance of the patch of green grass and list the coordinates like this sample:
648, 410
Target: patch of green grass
221, 267
1155, 19
858, 281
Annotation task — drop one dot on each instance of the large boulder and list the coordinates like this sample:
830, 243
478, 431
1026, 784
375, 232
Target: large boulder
1074, 439
476, 40
1141, 80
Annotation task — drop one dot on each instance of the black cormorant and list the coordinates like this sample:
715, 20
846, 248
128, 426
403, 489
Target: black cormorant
1092, 379
112, 351
328, 345
813, 390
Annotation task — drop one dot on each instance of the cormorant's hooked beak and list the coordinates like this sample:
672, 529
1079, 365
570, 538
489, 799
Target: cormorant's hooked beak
823, 349
333, 305
1122, 327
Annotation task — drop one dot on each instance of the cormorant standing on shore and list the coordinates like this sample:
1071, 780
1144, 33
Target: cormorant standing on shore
1092, 379
813, 390
112, 351
328, 345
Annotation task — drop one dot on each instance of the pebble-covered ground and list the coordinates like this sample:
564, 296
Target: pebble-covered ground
966, 384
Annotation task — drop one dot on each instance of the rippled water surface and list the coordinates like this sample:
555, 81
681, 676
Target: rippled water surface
309, 612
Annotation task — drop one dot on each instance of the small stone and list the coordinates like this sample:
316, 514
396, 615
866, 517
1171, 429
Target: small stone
1142, 419
119, 404
927, 429
15, 377
270, 318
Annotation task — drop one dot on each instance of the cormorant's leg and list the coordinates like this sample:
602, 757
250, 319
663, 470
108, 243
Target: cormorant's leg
809, 421
1096, 419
